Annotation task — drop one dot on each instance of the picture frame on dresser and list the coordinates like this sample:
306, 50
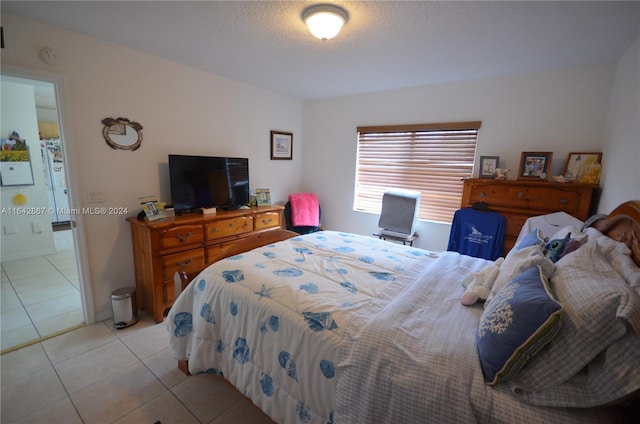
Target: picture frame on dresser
263, 196
577, 162
488, 166
535, 165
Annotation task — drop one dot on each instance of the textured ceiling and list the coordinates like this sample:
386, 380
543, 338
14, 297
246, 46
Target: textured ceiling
384, 45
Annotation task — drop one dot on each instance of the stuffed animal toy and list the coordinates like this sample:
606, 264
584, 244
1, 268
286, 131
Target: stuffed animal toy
501, 173
557, 248
478, 285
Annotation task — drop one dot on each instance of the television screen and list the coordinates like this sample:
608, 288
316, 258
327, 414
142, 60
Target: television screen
205, 181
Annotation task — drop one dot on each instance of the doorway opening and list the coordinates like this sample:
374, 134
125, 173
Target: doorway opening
42, 294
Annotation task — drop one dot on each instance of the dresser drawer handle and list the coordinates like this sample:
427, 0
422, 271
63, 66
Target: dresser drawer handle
215, 230
185, 237
482, 195
520, 195
184, 264
267, 221
564, 201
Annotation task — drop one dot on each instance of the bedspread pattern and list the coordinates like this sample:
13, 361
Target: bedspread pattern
415, 360
273, 323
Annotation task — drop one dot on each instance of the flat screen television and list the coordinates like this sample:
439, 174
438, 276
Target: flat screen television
205, 181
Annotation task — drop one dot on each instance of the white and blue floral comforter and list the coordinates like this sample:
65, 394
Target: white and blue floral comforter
272, 320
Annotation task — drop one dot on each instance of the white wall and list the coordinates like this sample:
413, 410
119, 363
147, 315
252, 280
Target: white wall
621, 151
182, 110
19, 238
557, 111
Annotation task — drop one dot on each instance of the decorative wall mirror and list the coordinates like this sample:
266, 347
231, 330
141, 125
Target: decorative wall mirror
122, 133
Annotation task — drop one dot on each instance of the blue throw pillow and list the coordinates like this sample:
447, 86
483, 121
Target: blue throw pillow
521, 319
531, 239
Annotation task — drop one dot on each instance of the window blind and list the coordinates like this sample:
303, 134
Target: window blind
430, 158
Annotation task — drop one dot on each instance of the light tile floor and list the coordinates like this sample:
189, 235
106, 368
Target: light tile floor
41, 295
97, 374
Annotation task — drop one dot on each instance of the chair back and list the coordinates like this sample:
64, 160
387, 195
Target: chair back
399, 213
299, 229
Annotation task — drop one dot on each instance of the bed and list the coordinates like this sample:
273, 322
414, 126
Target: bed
333, 327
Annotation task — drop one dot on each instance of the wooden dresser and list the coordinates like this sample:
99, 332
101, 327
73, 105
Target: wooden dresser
519, 200
187, 243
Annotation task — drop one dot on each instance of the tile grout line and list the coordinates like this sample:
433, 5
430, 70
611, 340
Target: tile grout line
61, 383
90, 350
26, 309
168, 389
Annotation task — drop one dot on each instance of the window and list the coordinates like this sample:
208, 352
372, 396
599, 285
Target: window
430, 158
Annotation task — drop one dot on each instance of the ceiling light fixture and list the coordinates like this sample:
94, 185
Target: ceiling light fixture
324, 20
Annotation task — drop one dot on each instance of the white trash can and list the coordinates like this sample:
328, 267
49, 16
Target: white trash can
125, 310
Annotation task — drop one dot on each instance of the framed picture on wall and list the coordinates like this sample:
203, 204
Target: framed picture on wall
281, 145
534, 165
488, 165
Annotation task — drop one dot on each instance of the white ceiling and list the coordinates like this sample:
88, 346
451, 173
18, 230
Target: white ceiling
384, 45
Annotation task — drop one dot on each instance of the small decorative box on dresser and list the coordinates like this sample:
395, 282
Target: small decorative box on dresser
187, 243
519, 200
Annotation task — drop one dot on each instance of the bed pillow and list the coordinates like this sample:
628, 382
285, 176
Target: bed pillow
599, 309
534, 238
522, 318
516, 262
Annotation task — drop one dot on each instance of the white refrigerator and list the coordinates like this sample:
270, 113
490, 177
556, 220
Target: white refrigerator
55, 180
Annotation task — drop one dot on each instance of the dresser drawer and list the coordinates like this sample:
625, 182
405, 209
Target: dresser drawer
214, 252
267, 220
554, 199
229, 227
189, 261
168, 292
181, 235
509, 242
514, 224
537, 198
499, 195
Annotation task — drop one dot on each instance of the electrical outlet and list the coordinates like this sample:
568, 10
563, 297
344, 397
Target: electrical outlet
10, 229
95, 196
37, 226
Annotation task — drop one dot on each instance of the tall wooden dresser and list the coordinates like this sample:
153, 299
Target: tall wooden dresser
519, 200
188, 243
